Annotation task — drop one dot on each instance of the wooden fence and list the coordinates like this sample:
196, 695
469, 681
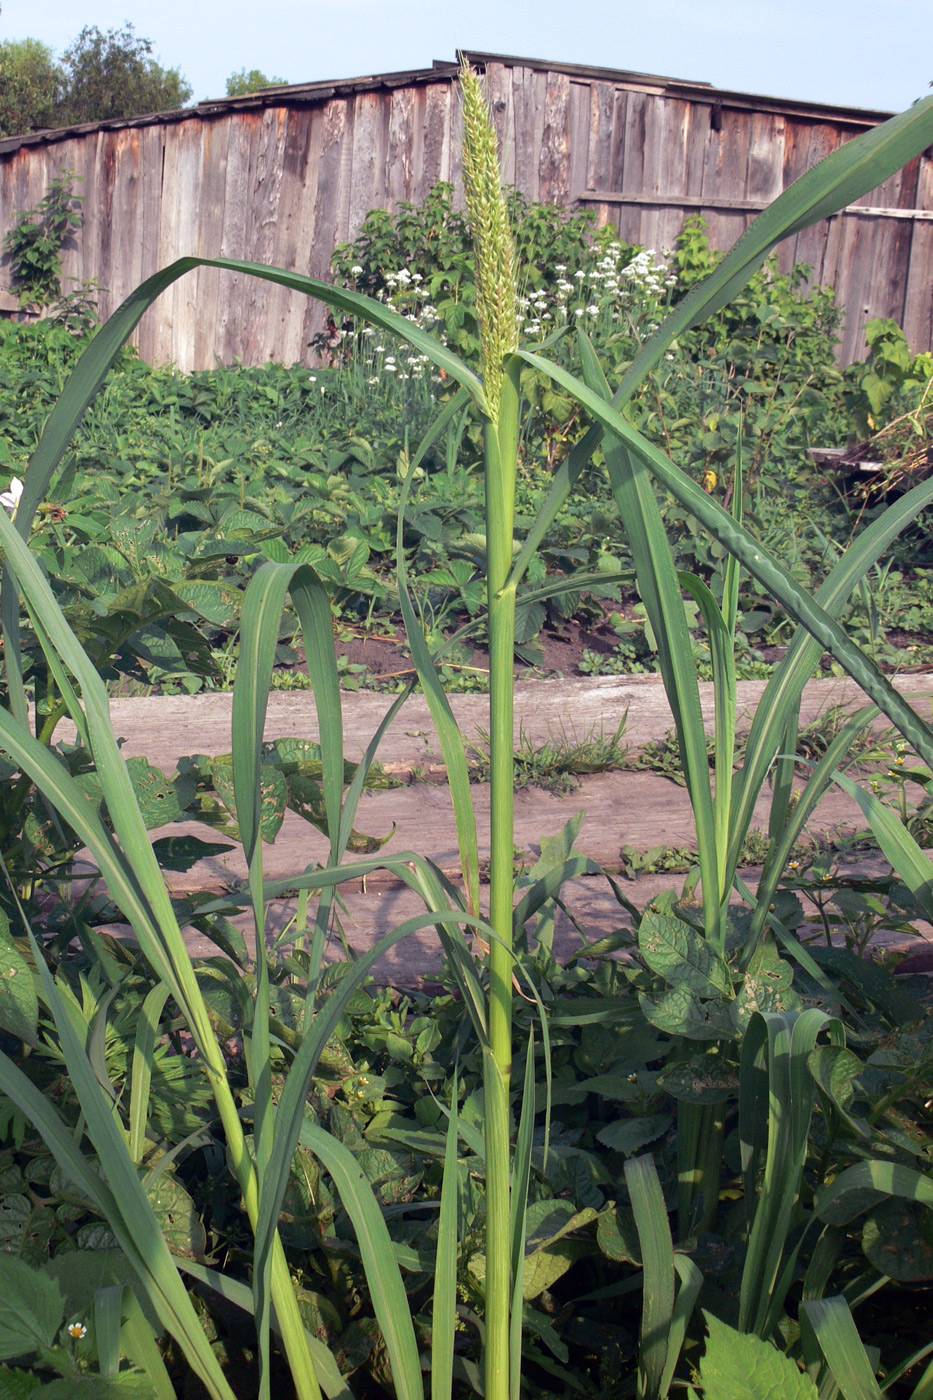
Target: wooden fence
286, 176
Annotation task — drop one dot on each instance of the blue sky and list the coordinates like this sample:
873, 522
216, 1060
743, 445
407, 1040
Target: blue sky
861, 53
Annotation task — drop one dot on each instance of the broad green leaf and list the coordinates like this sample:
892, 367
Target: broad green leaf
630, 1135
679, 1012
835, 1069
617, 1235
682, 957
177, 1214
898, 1240
740, 1366
19, 1003
31, 1308
180, 853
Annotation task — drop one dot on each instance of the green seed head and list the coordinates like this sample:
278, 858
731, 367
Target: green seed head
494, 252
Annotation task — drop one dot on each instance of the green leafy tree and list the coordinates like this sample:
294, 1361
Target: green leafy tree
31, 86
114, 75
242, 84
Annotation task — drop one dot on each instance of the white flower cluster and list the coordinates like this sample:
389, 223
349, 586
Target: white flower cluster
612, 288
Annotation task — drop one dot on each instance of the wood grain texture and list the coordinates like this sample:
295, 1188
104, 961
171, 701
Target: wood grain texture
287, 183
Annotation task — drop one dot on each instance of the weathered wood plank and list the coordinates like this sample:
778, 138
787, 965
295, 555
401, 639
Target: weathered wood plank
524, 139
183, 240
211, 213
554, 161
918, 293
149, 196
246, 182
435, 165
404, 148
724, 176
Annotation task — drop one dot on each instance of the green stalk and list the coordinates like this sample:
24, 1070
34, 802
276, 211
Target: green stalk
501, 448
497, 312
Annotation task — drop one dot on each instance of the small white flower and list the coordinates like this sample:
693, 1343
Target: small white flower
579, 275
355, 270
77, 1330
560, 267
578, 311
10, 499
592, 310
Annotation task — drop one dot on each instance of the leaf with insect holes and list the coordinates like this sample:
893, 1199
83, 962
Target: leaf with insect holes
835, 1069
682, 956
679, 1012
898, 1240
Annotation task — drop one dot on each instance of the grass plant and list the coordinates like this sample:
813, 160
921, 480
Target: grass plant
696, 977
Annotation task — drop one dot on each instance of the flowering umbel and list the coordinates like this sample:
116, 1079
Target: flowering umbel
496, 301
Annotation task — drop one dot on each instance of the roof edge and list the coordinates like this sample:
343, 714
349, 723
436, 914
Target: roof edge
322, 91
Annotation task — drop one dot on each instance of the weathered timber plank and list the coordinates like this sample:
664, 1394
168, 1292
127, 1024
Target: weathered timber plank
165, 728
918, 293
637, 810
211, 285
504, 87
554, 161
435, 165
724, 176
151, 153
368, 161
403, 146
183, 240
241, 143
524, 140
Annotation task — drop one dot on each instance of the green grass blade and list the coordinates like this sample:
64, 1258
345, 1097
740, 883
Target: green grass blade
722, 651
848, 1196
141, 1072
659, 586
781, 585
139, 1346
386, 1289
774, 1070
444, 1312
358, 781
120, 1199
910, 862
290, 1114
691, 1281
657, 1255
850, 172
331, 1381
108, 1316
834, 1328
448, 733
778, 858
781, 698
521, 1179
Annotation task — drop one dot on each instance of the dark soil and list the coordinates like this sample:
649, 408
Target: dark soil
387, 657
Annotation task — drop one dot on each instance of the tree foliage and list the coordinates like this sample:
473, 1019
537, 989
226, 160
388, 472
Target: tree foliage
100, 76
241, 84
31, 85
114, 75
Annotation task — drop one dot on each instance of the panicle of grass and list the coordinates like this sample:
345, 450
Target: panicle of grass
496, 302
